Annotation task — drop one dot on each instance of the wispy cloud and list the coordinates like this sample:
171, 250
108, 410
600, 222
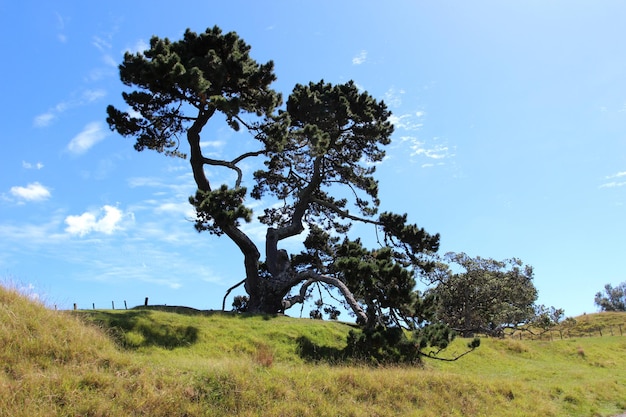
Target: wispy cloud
106, 220
432, 152
32, 192
101, 44
615, 180
407, 122
85, 97
44, 119
393, 97
61, 36
88, 137
618, 175
360, 58
28, 165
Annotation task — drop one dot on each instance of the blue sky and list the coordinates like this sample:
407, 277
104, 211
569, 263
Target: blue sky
510, 138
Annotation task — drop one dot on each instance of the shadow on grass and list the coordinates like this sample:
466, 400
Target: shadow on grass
313, 352
136, 328
188, 311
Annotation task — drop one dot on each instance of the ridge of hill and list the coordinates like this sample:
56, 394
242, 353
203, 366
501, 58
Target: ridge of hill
185, 362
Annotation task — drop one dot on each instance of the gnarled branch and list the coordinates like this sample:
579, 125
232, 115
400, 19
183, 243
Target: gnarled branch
313, 277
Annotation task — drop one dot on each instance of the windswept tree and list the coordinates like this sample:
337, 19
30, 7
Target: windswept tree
487, 296
319, 154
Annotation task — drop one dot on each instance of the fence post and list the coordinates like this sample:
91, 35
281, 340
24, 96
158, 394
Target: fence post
75, 307
113, 304
93, 305
146, 302
620, 330
125, 306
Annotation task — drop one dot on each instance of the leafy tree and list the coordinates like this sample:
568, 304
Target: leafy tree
547, 318
487, 297
319, 154
613, 299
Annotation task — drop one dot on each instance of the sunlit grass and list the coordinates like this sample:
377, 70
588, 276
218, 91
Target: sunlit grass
158, 363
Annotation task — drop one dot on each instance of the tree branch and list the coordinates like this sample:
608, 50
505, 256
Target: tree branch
337, 283
344, 213
232, 164
456, 358
228, 292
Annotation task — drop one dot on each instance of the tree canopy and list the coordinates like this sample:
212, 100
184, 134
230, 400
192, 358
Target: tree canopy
319, 151
487, 297
613, 298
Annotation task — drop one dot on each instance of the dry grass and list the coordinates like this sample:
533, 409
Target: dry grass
140, 363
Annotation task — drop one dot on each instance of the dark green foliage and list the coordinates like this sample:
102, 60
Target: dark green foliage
211, 71
221, 206
613, 299
240, 303
487, 297
380, 345
334, 134
321, 308
319, 153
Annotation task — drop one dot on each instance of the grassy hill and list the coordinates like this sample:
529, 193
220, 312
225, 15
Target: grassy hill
185, 362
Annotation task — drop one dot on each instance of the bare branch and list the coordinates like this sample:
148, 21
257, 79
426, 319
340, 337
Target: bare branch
314, 277
456, 358
228, 292
232, 164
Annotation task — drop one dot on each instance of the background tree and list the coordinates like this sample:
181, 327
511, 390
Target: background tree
547, 318
319, 154
487, 297
613, 299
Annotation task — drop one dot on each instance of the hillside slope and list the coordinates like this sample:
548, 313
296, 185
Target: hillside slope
184, 362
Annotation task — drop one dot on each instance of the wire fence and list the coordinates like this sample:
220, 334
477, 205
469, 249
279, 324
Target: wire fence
573, 332
93, 305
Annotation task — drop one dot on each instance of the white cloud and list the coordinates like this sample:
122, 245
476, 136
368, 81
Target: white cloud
183, 208
28, 165
86, 97
393, 97
61, 26
90, 135
88, 222
90, 96
360, 58
32, 192
436, 152
138, 47
101, 44
618, 175
44, 119
213, 144
614, 184
432, 151
405, 122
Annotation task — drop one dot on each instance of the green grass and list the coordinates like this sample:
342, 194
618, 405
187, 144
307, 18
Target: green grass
184, 362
